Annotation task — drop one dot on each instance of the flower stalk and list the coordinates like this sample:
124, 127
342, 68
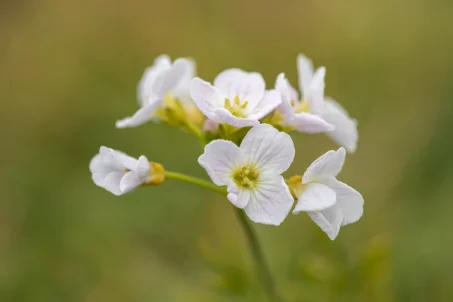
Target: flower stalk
263, 271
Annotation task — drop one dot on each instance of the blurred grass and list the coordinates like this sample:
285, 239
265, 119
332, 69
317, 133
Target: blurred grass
68, 70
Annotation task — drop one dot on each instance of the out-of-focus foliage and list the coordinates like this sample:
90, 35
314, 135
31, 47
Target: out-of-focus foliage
69, 69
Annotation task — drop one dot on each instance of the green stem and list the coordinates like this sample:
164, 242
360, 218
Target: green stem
262, 269
195, 181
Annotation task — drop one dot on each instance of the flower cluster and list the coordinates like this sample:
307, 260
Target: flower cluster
244, 128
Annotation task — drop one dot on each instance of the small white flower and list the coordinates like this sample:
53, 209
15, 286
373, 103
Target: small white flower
329, 202
117, 172
162, 80
237, 98
304, 114
315, 113
253, 171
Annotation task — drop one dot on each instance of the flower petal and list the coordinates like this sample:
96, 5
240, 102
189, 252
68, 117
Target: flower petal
140, 117
96, 163
146, 83
219, 159
329, 220
271, 100
228, 81
315, 93
252, 89
130, 181
249, 86
315, 197
327, 165
270, 202
349, 201
345, 133
310, 123
125, 160
238, 196
210, 126
206, 97
110, 160
182, 90
283, 86
268, 149
224, 116
305, 71
142, 167
112, 182
169, 79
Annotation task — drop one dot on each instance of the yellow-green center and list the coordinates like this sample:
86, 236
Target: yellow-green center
300, 106
236, 107
246, 177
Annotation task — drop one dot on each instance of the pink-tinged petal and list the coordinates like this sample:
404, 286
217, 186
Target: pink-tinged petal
310, 123
210, 126
268, 149
271, 100
305, 71
349, 201
130, 181
206, 97
326, 166
270, 202
143, 115
315, 93
223, 116
345, 133
146, 83
329, 220
315, 197
220, 159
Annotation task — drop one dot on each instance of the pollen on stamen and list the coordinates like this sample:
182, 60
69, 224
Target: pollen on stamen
246, 177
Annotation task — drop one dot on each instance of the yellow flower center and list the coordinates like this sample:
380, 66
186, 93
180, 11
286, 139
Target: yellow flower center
295, 186
246, 177
236, 107
300, 106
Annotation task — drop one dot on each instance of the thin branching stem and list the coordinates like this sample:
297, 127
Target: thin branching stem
256, 250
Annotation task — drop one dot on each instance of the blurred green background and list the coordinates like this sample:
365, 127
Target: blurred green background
69, 70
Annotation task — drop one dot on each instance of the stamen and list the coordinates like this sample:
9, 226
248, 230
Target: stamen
237, 101
246, 177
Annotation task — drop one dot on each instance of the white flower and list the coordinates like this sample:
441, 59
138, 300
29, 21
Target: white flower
315, 113
329, 202
162, 80
252, 172
237, 98
304, 114
117, 172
